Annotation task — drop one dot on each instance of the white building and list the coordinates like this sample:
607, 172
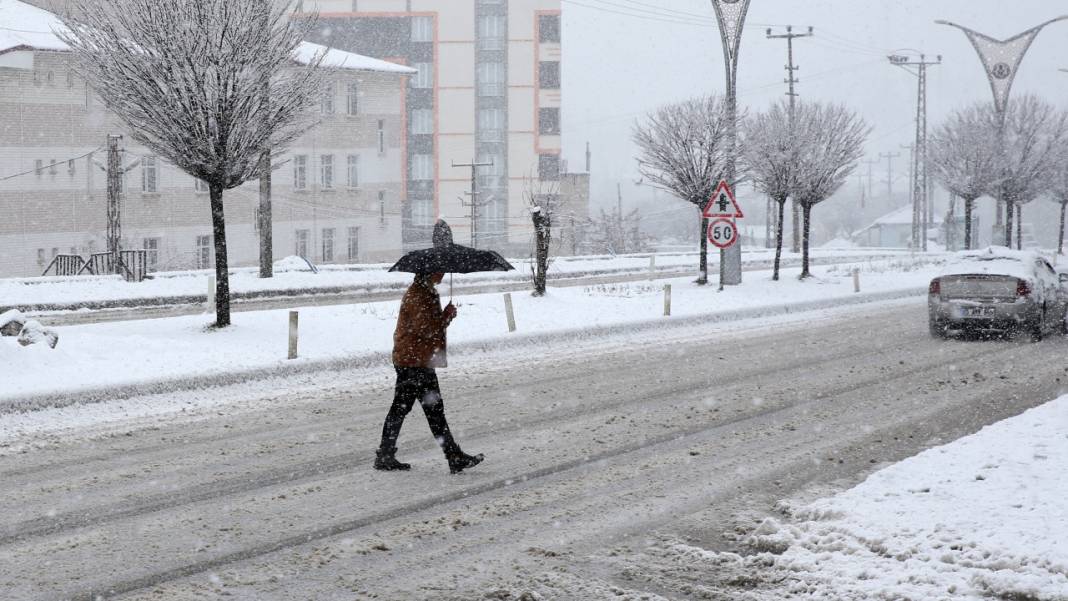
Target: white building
337, 195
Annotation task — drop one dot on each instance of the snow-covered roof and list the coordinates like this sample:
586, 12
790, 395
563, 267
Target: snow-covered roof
902, 216
339, 59
26, 27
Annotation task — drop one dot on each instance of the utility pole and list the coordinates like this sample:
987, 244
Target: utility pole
871, 176
919, 160
790, 36
889, 156
114, 170
476, 202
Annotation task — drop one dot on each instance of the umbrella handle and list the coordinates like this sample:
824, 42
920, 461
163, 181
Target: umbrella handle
450, 287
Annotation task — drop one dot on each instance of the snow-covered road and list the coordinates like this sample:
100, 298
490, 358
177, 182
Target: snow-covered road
597, 452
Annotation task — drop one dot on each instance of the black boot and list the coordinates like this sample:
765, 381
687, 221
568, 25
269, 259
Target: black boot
461, 461
386, 461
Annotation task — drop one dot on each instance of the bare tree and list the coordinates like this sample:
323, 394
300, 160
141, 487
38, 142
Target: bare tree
771, 157
681, 150
831, 140
191, 79
1034, 130
1058, 190
963, 157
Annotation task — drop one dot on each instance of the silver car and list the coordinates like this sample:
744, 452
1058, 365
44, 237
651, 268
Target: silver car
998, 290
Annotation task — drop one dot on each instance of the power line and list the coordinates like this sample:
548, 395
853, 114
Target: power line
56, 164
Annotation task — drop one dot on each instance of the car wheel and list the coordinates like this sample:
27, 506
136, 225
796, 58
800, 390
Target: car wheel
938, 330
1037, 331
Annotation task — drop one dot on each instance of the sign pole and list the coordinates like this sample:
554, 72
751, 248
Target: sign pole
730, 15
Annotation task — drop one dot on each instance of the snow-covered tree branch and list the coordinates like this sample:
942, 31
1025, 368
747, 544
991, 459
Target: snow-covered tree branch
962, 155
681, 150
831, 141
771, 157
1034, 130
206, 84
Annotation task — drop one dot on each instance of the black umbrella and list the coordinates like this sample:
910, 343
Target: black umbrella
448, 257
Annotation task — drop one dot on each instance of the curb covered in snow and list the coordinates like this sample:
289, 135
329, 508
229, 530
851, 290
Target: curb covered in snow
380, 358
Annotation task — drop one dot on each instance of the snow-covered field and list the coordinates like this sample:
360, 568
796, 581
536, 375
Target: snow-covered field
109, 355
980, 518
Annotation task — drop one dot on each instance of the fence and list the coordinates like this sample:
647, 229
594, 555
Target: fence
65, 265
132, 263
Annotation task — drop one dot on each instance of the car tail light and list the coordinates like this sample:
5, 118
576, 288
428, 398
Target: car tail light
936, 287
1023, 288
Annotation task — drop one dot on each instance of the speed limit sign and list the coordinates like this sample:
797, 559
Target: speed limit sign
722, 233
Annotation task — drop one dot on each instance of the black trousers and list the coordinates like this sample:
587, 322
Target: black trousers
417, 384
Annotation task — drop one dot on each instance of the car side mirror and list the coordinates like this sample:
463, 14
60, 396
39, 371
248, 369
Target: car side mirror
1064, 278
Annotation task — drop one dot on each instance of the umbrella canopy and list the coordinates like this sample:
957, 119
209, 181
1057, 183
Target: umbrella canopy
447, 257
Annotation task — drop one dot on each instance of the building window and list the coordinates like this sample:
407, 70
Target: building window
422, 29
300, 172
149, 174
382, 208
491, 79
425, 77
549, 29
549, 167
549, 75
203, 252
491, 32
38, 167
549, 122
422, 167
71, 168
40, 257
328, 99
353, 99
326, 171
354, 244
422, 121
151, 246
354, 171
328, 245
53, 167
491, 125
301, 249
490, 175
200, 186
381, 136
422, 212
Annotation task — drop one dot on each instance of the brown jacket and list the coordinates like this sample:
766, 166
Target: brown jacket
419, 340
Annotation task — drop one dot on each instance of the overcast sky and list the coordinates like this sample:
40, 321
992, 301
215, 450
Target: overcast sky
625, 57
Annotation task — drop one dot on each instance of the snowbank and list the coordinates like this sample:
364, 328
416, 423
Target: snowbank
983, 517
186, 287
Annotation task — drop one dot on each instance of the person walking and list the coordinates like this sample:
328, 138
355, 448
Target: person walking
419, 347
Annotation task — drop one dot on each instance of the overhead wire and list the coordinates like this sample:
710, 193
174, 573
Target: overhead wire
49, 166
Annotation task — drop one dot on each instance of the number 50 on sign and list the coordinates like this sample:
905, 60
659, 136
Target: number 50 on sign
722, 233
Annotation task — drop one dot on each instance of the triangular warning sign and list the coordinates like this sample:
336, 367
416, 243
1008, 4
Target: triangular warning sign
722, 203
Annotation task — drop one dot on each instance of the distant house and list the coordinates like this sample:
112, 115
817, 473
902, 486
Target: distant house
893, 230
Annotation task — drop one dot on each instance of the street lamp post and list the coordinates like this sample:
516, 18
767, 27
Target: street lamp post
731, 17
1001, 59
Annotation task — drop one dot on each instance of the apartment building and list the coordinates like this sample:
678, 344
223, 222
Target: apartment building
337, 193
487, 90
